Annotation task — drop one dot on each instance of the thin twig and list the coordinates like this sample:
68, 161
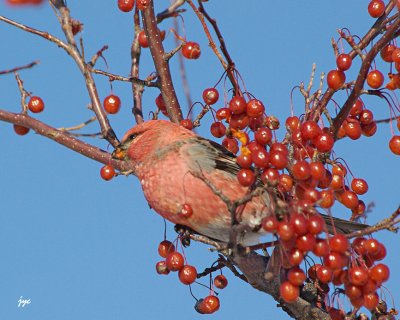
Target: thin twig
79, 126
117, 77
27, 66
385, 224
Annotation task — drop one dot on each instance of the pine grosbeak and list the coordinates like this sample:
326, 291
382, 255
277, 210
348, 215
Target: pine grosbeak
173, 165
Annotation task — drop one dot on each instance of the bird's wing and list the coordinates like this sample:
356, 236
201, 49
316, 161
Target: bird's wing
210, 156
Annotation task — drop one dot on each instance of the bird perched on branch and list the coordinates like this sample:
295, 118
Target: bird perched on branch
192, 181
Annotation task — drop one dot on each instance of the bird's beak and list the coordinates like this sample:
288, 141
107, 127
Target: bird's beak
120, 152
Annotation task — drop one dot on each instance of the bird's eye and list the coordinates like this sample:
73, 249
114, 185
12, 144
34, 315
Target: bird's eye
132, 136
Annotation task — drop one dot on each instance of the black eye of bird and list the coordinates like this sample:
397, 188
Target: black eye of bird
132, 136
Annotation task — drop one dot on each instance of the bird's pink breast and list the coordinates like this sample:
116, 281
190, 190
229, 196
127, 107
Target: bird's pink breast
168, 184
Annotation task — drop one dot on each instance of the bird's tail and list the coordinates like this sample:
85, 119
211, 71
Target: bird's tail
341, 225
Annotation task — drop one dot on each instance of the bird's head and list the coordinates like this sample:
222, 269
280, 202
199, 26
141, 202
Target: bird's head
148, 137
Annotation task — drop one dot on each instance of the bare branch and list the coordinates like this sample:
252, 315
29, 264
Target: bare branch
27, 66
162, 66
64, 138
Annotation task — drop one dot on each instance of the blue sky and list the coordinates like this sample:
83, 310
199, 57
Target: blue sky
82, 248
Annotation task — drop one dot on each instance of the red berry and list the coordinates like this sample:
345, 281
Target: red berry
359, 210
278, 159
107, 172
231, 144
244, 161
371, 300
263, 136
187, 123
142, 38
161, 268
20, 130
270, 176
161, 105
285, 182
353, 291
285, 231
223, 114
220, 281
210, 96
381, 254
396, 55
144, 42
369, 130
191, 50
327, 198
376, 8
379, 273
217, 129
394, 145
366, 117
174, 261
371, 246
359, 186
296, 276
357, 108
292, 123
358, 276
277, 146
324, 274
316, 224
337, 182
317, 170
211, 304
36, 104
324, 142
335, 260
306, 242
321, 248
255, 108
260, 158
186, 211
339, 169
270, 224
301, 170
352, 129
112, 104
375, 79
187, 274
386, 53
126, 5
310, 130
165, 248
246, 177
343, 61
335, 79
295, 256
237, 105
239, 121
299, 224
289, 292
349, 199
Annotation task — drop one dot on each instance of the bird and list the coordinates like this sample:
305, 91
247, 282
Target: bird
178, 169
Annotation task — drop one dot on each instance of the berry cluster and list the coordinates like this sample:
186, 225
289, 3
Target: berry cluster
174, 261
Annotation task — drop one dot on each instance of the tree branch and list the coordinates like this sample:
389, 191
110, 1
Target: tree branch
64, 138
162, 67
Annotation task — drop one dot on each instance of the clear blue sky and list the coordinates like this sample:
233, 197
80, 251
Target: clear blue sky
82, 248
